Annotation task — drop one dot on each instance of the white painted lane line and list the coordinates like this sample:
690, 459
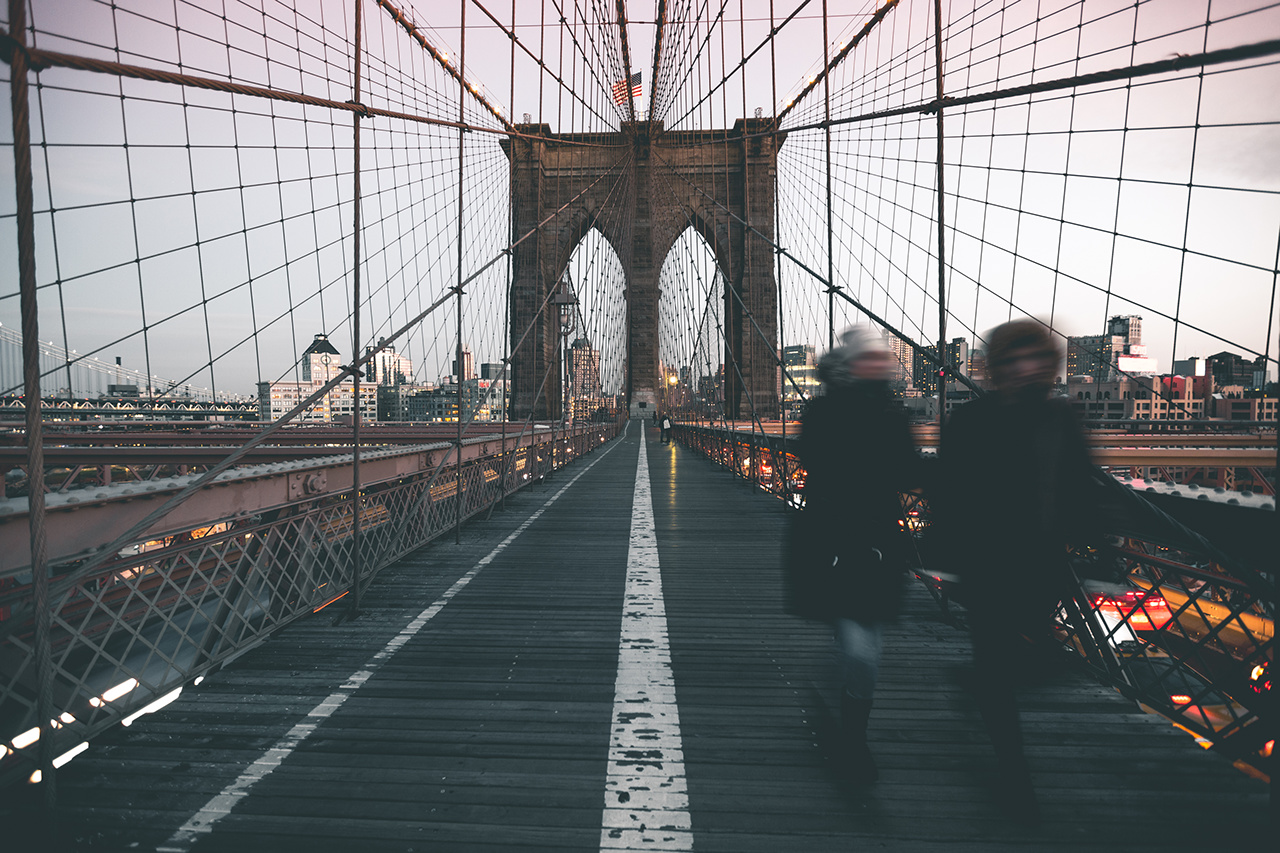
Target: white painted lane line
202, 822
646, 801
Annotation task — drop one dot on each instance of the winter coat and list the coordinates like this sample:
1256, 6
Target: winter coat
1015, 487
846, 554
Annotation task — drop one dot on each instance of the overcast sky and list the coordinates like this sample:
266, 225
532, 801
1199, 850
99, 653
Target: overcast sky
220, 233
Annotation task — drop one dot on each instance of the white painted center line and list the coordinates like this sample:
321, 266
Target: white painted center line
202, 822
646, 800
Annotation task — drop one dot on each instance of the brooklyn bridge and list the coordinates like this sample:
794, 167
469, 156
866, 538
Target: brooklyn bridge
336, 336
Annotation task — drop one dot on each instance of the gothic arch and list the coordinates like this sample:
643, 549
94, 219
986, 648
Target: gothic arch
579, 223
697, 220
739, 176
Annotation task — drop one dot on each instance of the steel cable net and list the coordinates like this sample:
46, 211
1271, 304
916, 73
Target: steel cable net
1144, 194
195, 220
205, 236
195, 217
1100, 161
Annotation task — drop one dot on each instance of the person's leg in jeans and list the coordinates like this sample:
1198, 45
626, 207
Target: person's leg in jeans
997, 652
859, 644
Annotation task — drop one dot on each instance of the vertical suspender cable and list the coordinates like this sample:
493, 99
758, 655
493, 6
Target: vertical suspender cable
758, 445
511, 261
1275, 532
826, 129
944, 370
458, 365
31, 390
353, 603
781, 463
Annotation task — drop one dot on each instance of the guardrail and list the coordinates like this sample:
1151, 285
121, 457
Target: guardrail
261, 546
1161, 614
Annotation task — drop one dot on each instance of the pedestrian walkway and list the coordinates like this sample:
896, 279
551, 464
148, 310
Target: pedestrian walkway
493, 697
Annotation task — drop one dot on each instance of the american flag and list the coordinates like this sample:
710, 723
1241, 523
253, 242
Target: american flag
620, 89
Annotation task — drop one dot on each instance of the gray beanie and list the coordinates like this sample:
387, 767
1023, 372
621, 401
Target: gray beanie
855, 341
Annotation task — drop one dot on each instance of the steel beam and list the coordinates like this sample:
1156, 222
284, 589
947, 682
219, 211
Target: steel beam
80, 521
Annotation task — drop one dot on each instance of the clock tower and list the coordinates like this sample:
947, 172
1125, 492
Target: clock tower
320, 361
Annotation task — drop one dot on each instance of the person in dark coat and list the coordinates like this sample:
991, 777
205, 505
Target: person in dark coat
847, 554
1014, 489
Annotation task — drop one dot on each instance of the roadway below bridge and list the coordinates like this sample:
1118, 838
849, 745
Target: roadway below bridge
1205, 434
1225, 447
493, 697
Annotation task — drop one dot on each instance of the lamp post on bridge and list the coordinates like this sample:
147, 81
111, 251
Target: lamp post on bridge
566, 302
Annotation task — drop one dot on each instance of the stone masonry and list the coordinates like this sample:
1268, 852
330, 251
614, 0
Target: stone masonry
642, 188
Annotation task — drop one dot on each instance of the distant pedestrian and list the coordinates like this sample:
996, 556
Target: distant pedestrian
1014, 490
847, 550
666, 429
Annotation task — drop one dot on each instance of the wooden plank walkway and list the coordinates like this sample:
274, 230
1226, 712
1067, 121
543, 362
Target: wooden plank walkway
489, 728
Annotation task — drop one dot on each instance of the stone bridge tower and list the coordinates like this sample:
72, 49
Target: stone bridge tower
642, 188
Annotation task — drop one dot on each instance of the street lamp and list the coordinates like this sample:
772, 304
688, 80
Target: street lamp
566, 303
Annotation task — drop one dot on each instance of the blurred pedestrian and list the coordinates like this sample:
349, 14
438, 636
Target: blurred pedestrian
847, 550
1014, 490
666, 429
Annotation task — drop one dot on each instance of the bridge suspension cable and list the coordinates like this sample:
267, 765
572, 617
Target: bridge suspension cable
217, 198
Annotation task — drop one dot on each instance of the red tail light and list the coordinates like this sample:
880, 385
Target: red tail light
1260, 678
1142, 611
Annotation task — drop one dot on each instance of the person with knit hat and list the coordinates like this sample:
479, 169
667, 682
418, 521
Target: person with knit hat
1014, 488
847, 550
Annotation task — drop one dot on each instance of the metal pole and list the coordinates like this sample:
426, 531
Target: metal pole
458, 366
826, 104
777, 262
568, 374
31, 389
1275, 538
511, 265
942, 256
353, 604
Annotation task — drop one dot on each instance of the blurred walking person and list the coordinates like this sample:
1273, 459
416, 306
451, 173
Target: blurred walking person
1014, 490
847, 551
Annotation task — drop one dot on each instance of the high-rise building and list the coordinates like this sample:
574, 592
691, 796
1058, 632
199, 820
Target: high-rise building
584, 369
1128, 327
493, 370
925, 373
467, 369
800, 363
978, 366
391, 368
1108, 357
903, 359
1093, 356
958, 357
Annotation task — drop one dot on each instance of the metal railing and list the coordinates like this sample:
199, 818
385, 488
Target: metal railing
1161, 614
272, 543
